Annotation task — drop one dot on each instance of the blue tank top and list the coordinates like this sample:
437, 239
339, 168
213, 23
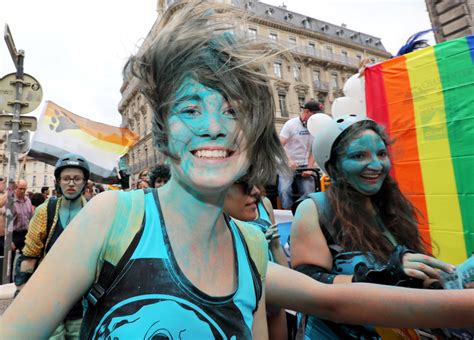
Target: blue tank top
154, 299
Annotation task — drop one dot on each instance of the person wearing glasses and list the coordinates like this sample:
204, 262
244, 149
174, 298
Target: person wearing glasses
49, 221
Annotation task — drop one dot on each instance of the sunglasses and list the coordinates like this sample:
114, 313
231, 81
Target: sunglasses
244, 182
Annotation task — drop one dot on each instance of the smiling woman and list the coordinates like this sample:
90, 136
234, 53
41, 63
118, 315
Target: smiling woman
168, 263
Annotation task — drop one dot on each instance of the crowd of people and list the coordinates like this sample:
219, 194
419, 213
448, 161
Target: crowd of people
195, 252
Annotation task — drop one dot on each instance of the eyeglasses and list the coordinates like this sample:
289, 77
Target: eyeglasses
75, 180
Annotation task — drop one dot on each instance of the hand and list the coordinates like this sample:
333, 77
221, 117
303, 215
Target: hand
307, 173
424, 267
272, 234
292, 164
469, 285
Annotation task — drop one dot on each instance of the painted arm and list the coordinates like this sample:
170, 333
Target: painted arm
369, 303
64, 275
259, 326
308, 244
274, 244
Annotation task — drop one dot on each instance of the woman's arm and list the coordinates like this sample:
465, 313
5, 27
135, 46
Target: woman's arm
369, 303
259, 326
63, 276
308, 244
274, 244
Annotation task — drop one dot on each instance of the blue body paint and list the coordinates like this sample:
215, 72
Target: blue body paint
202, 127
365, 163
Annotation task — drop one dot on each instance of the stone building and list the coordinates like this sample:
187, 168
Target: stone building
451, 19
326, 56
36, 173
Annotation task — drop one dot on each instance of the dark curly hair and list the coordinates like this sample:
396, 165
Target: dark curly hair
160, 171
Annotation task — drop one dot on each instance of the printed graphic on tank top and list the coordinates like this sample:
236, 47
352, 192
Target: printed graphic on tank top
153, 298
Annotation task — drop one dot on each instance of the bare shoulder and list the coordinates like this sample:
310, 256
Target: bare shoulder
306, 215
98, 214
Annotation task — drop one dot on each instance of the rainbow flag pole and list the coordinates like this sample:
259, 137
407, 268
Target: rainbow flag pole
426, 101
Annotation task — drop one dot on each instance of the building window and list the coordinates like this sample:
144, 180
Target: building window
45, 167
45, 180
277, 70
34, 181
312, 48
317, 77
292, 42
282, 102
345, 58
372, 60
301, 101
329, 52
252, 33
273, 36
334, 83
359, 57
297, 72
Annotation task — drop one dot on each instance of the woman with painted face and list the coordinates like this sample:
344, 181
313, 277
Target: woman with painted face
365, 230
188, 271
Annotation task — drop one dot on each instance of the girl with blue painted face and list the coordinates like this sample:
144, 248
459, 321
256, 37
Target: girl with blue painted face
188, 271
365, 230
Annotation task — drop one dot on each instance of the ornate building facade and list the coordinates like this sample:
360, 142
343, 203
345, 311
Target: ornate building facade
326, 55
451, 19
36, 173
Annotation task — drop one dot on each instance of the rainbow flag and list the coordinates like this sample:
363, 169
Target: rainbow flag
61, 131
425, 99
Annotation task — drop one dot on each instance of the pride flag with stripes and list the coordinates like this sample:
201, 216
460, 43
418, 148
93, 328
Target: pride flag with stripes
425, 99
61, 131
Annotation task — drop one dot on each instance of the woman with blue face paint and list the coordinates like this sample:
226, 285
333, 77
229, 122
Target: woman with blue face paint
365, 230
187, 271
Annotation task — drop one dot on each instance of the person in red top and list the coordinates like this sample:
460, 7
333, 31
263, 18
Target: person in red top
22, 213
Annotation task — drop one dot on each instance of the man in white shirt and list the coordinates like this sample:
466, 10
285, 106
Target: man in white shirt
297, 141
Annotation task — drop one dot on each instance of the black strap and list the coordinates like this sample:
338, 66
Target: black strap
50, 214
107, 280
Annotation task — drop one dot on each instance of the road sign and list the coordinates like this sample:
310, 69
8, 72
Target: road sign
23, 141
31, 95
11, 45
27, 123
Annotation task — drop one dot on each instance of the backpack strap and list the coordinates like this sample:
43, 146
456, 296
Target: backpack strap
326, 216
257, 246
121, 234
51, 210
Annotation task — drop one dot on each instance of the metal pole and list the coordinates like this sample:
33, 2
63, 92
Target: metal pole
7, 252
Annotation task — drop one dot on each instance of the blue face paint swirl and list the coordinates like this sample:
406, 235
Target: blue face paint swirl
205, 136
365, 163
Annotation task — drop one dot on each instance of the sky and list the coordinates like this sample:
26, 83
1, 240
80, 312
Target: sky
76, 50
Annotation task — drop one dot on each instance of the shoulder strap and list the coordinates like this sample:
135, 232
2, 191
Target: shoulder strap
326, 220
124, 227
50, 214
122, 233
257, 245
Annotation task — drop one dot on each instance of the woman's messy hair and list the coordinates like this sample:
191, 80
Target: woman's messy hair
200, 40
